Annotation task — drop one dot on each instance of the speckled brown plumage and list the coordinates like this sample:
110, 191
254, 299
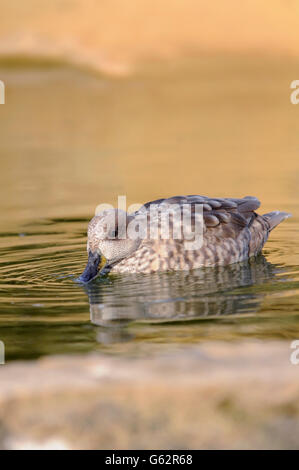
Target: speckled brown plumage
232, 232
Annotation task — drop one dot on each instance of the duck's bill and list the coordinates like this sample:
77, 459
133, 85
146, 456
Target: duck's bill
91, 270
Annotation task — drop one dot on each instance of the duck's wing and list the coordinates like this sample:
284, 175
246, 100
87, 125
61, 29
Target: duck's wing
234, 214
228, 217
232, 230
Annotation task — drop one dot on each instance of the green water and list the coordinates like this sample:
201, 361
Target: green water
70, 141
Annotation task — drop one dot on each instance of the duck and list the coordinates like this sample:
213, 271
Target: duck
201, 231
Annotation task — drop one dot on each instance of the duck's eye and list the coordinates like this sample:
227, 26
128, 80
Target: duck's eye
113, 233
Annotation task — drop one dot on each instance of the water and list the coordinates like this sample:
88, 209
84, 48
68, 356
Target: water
70, 140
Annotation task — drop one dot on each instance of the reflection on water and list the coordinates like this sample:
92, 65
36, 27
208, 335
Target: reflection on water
175, 297
44, 311
69, 141
179, 295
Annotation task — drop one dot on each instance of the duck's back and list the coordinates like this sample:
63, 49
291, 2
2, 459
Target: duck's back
232, 232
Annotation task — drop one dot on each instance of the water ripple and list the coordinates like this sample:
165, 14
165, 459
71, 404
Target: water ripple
44, 311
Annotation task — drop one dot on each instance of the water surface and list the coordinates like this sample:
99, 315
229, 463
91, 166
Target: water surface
72, 140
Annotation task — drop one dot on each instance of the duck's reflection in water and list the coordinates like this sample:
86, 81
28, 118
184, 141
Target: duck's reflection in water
117, 300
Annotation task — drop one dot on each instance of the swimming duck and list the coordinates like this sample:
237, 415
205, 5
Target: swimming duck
231, 231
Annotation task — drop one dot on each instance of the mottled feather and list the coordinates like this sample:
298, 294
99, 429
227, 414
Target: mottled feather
232, 232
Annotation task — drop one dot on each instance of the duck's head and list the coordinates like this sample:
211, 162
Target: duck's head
108, 241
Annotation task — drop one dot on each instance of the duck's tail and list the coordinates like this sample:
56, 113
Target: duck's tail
274, 218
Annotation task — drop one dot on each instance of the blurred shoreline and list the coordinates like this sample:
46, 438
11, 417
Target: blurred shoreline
214, 396
115, 36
